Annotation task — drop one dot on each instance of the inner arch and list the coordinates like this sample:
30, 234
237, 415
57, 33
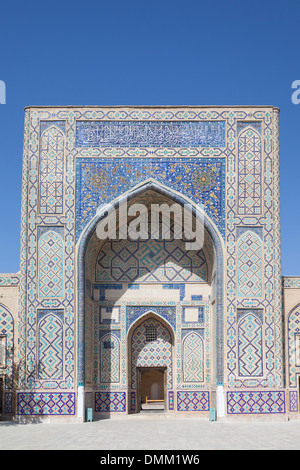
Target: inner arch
92, 270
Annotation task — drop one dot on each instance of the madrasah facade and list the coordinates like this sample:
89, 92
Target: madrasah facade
120, 325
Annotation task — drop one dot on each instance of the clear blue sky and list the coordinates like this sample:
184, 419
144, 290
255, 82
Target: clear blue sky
136, 52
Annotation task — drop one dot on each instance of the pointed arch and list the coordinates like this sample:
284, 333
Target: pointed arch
149, 312
150, 343
218, 246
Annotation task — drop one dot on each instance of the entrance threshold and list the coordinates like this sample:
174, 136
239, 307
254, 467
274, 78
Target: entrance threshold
153, 407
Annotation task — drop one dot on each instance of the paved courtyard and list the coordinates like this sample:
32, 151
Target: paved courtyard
142, 433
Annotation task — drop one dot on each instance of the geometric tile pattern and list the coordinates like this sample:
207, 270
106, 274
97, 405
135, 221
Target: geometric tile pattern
8, 404
51, 171
243, 125
47, 201
171, 400
93, 176
149, 261
293, 329
294, 401
57, 403
193, 401
110, 401
269, 220
132, 401
192, 358
249, 265
9, 279
249, 171
250, 346
258, 401
291, 282
109, 359
50, 264
134, 312
7, 330
101, 180
50, 344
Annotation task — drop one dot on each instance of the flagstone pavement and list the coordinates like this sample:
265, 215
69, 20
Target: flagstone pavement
154, 433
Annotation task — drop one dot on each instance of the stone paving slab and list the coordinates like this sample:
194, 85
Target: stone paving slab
151, 434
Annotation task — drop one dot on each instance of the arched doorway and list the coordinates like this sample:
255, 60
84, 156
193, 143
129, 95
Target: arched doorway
119, 281
150, 362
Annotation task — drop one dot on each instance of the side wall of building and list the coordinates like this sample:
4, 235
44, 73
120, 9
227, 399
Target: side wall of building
291, 309
9, 365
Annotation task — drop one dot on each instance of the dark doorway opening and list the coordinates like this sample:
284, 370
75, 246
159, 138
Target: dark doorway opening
152, 388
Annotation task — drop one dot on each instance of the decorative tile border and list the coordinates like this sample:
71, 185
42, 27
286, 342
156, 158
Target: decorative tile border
46, 403
8, 404
110, 402
9, 280
294, 408
291, 282
171, 400
256, 402
192, 401
132, 401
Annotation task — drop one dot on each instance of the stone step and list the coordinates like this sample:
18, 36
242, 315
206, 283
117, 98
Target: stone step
153, 406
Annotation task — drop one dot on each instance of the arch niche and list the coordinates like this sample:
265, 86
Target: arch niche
124, 310
150, 353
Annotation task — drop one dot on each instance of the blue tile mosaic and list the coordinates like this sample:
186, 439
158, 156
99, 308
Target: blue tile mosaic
181, 288
66, 185
150, 134
100, 180
192, 401
46, 403
200, 315
134, 312
256, 402
103, 287
110, 402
